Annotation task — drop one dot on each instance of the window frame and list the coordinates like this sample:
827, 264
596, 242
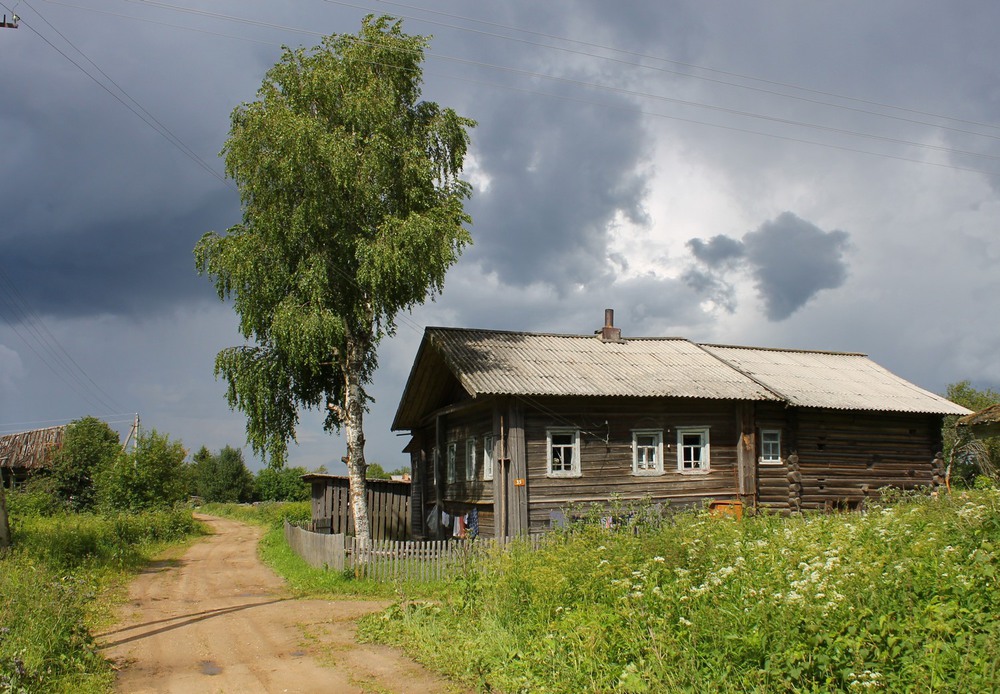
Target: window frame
574, 467
488, 457
450, 466
770, 461
657, 468
470, 459
706, 448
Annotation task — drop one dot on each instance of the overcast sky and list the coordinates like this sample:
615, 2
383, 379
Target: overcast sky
781, 174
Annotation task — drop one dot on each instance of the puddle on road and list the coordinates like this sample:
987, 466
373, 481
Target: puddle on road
209, 668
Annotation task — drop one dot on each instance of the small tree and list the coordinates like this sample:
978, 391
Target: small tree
376, 472
224, 477
89, 446
285, 484
352, 212
152, 476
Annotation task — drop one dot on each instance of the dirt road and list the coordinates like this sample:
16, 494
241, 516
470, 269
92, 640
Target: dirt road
217, 620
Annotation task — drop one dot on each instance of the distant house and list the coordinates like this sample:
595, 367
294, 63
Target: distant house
508, 428
27, 451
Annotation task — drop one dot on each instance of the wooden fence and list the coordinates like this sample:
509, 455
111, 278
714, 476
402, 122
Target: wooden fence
388, 506
393, 560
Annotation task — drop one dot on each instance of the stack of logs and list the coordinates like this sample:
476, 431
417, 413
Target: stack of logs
794, 484
938, 470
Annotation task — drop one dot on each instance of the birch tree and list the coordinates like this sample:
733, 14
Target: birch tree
352, 211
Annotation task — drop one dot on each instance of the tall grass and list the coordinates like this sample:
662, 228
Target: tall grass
51, 586
903, 597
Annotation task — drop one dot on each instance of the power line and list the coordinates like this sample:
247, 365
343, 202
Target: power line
50, 351
138, 110
640, 94
636, 54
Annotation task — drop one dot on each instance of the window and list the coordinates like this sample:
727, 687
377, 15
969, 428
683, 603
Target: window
770, 446
564, 452
487, 458
470, 460
647, 452
452, 454
692, 450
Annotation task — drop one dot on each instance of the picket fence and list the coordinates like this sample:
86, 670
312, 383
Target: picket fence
393, 560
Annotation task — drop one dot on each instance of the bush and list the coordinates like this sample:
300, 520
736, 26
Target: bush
284, 484
151, 477
89, 447
222, 478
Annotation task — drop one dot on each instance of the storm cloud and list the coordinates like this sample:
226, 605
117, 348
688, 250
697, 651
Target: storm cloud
789, 259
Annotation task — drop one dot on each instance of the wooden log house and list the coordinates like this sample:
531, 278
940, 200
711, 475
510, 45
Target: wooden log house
518, 426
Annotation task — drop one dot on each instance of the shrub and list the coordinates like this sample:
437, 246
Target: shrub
150, 477
284, 484
89, 447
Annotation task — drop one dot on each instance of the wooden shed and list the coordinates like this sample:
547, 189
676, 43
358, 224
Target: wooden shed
508, 428
25, 452
388, 506
983, 424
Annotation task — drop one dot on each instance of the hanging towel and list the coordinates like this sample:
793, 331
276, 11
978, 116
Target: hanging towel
472, 520
459, 530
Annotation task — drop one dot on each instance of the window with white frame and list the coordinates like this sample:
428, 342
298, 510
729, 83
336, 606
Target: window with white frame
564, 452
452, 455
692, 449
770, 446
647, 452
470, 460
487, 458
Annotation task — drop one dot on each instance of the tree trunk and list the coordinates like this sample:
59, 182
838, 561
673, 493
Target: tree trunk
4, 522
354, 410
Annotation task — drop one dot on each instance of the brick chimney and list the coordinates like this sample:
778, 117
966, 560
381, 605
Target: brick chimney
609, 333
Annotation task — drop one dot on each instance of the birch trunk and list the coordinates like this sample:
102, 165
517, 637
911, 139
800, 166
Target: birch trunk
354, 411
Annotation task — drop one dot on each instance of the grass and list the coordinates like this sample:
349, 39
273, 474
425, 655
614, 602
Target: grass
59, 583
902, 597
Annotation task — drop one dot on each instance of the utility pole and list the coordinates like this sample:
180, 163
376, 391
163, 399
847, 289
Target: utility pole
12, 24
133, 432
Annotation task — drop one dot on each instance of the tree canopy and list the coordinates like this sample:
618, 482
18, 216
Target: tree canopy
352, 211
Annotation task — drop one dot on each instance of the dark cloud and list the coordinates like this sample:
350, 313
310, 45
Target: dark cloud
717, 251
560, 173
789, 259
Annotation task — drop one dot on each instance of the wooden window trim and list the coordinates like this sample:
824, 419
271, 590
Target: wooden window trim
574, 470
488, 457
770, 461
706, 458
658, 469
470, 459
451, 475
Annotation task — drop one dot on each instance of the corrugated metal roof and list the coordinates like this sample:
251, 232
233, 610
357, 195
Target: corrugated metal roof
836, 380
505, 363
29, 449
490, 362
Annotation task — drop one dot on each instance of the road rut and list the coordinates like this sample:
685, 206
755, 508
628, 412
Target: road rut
218, 620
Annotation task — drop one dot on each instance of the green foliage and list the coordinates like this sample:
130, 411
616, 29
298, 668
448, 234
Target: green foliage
51, 585
376, 472
222, 478
285, 484
89, 447
152, 476
352, 211
901, 598
967, 455
269, 514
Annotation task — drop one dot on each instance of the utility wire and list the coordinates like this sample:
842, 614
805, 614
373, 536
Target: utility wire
619, 90
55, 356
645, 56
137, 109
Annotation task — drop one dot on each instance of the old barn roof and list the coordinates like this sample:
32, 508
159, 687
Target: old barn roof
456, 363
29, 449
